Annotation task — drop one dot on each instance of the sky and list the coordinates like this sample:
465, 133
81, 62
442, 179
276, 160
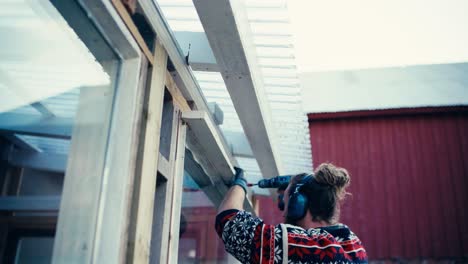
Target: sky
341, 35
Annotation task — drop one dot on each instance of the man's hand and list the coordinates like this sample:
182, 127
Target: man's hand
239, 179
235, 196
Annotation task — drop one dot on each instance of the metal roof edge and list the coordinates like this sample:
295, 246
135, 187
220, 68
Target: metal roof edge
427, 110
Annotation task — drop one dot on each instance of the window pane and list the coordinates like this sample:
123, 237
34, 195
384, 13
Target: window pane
57, 84
34, 250
198, 242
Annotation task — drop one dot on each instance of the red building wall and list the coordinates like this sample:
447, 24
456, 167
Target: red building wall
409, 178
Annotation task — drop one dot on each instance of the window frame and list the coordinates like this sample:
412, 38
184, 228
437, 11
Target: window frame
75, 241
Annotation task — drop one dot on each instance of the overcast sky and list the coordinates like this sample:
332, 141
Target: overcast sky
337, 34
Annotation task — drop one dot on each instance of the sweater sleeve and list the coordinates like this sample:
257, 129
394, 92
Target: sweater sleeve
237, 230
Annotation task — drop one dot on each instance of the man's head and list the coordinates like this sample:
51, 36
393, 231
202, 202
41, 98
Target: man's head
319, 195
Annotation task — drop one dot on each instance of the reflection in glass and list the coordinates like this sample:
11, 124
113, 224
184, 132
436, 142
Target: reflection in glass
198, 241
54, 93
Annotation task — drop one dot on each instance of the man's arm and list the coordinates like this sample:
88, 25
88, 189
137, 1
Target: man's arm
234, 198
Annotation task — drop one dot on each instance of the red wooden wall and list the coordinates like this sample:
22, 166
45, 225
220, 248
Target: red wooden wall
409, 178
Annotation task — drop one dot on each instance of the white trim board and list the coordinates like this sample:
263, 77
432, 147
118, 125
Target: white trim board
228, 31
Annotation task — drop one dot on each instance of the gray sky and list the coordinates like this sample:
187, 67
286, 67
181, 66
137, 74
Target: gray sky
337, 34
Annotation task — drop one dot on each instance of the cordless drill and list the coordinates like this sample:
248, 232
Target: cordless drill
279, 182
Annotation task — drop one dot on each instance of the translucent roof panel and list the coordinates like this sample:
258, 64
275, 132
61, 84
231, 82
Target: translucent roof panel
43, 66
273, 46
36, 61
48, 145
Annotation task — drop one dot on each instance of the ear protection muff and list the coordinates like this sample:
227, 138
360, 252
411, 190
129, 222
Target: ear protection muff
298, 202
281, 202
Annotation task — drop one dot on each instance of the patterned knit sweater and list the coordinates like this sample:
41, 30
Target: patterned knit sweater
249, 240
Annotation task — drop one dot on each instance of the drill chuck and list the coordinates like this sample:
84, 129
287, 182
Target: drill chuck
275, 182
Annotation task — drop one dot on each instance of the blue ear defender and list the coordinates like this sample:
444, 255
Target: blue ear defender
298, 202
281, 202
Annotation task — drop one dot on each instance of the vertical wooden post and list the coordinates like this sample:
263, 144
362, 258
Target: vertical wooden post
74, 239
177, 190
163, 204
139, 243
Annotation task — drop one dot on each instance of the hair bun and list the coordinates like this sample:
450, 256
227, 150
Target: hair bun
333, 176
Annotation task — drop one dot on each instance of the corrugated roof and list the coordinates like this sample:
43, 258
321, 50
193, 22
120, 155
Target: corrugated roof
273, 46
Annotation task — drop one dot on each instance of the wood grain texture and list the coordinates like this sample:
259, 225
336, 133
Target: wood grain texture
145, 185
133, 29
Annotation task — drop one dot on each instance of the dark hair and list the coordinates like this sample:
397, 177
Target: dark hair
325, 192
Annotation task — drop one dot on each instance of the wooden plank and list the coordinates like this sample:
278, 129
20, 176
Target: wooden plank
228, 31
105, 17
139, 241
29, 203
20, 143
188, 84
56, 127
115, 204
41, 108
183, 76
204, 130
163, 205
176, 93
163, 166
74, 239
178, 178
133, 29
39, 160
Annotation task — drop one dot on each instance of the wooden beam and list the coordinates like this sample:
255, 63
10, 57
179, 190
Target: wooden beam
39, 161
133, 29
119, 177
41, 108
29, 203
20, 143
164, 202
202, 128
76, 228
178, 178
211, 158
163, 166
176, 94
145, 183
56, 127
187, 84
182, 76
228, 32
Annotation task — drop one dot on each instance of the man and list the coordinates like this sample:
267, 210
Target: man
311, 233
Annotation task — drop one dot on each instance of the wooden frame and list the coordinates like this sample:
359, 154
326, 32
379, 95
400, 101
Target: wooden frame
96, 208
139, 243
119, 6
226, 27
168, 198
93, 216
178, 178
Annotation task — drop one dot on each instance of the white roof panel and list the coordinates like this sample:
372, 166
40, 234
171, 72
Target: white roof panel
273, 46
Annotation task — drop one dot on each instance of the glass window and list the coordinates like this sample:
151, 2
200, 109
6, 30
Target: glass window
198, 242
57, 79
36, 250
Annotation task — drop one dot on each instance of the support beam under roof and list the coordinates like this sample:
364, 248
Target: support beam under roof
226, 26
56, 127
39, 161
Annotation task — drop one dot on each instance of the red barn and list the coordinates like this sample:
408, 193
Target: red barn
409, 170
